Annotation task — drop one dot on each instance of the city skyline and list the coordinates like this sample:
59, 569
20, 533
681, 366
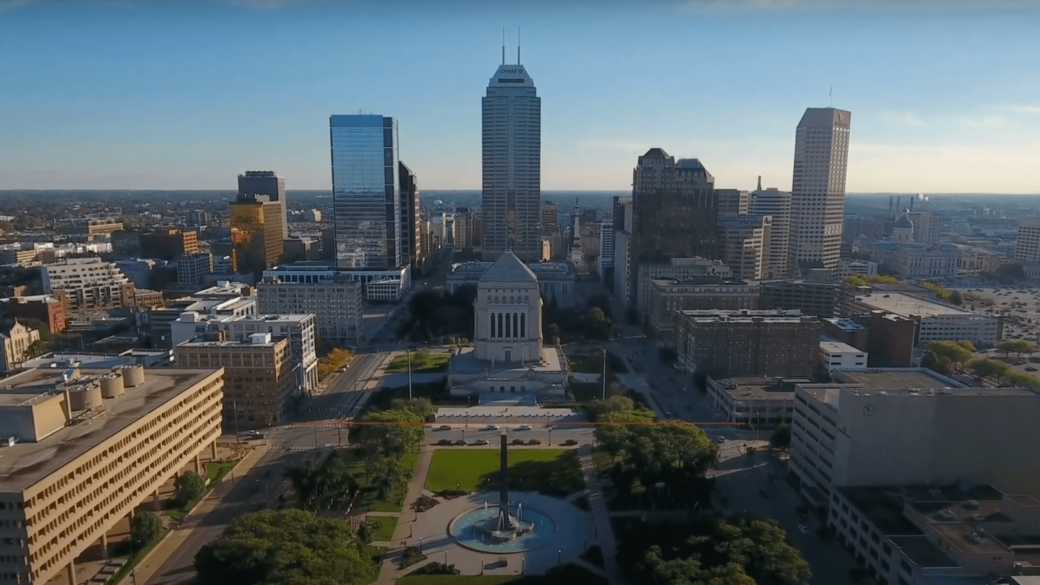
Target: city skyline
920, 127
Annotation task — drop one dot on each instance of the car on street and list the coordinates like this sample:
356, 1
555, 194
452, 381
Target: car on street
444, 442
762, 492
720, 439
444, 428
803, 529
523, 428
480, 442
491, 428
460, 442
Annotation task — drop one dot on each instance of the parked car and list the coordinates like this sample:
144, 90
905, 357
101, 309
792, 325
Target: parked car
803, 529
720, 439
569, 442
444, 442
480, 442
444, 428
460, 442
491, 428
534, 442
518, 441
523, 428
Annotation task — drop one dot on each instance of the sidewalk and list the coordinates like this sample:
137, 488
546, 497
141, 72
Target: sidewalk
388, 572
604, 535
150, 565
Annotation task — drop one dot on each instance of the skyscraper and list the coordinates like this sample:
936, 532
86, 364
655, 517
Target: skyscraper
270, 184
776, 204
256, 233
512, 148
411, 248
366, 192
821, 152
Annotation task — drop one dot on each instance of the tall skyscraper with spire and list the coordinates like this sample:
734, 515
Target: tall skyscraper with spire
821, 151
512, 164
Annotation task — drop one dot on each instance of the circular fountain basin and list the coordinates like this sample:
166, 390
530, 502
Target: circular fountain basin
464, 529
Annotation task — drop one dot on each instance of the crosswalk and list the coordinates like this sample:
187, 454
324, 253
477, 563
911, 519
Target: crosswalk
298, 447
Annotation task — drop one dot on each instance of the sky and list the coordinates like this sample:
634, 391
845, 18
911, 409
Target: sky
156, 94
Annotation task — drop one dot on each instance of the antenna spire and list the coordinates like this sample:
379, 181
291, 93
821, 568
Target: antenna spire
831, 97
518, 45
503, 45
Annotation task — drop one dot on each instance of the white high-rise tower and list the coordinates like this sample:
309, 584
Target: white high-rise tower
512, 164
821, 152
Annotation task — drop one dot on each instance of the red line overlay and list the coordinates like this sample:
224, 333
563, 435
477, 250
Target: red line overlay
532, 425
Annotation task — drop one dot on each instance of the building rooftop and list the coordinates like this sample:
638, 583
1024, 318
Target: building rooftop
846, 325
907, 306
831, 347
27, 463
704, 280
897, 379
508, 269
759, 387
466, 362
922, 552
745, 315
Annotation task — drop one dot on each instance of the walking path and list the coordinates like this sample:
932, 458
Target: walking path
601, 516
162, 552
388, 571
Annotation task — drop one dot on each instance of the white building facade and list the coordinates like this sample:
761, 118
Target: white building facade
818, 189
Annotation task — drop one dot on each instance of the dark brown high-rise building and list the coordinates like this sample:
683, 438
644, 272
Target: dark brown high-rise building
675, 209
411, 247
724, 344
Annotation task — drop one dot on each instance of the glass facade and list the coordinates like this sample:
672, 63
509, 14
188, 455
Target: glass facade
365, 192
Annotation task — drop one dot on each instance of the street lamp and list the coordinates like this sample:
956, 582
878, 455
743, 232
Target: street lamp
559, 557
758, 422
604, 374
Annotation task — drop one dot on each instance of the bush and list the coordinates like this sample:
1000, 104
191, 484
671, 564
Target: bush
436, 568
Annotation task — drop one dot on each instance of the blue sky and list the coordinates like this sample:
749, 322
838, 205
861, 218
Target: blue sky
139, 94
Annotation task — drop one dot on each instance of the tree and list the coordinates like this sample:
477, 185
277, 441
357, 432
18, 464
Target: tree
285, 547
145, 528
190, 487
1019, 347
990, 369
781, 438
323, 486
390, 439
956, 298
420, 406
617, 403
956, 352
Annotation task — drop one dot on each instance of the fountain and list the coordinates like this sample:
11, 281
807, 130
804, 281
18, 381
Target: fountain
499, 530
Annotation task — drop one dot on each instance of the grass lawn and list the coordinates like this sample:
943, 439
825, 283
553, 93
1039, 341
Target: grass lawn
384, 527
432, 362
548, 470
375, 552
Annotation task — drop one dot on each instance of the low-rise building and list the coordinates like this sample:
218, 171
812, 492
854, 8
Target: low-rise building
87, 284
677, 268
192, 269
730, 344
936, 321
836, 355
937, 533
83, 448
696, 293
260, 385
757, 401
555, 279
336, 301
901, 426
227, 299
16, 343
168, 243
46, 309
300, 330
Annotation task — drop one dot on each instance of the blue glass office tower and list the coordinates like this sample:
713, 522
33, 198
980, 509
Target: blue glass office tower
512, 165
365, 192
